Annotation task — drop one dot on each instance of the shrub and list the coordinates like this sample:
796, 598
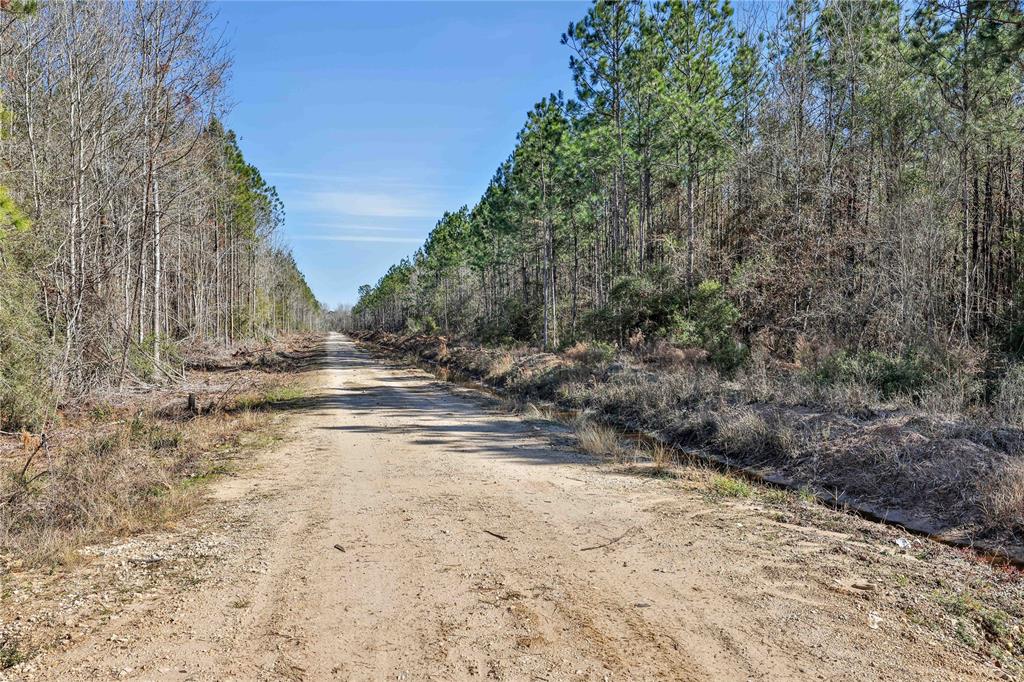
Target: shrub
708, 323
500, 366
1008, 403
10, 656
593, 353
644, 305
1015, 339
891, 376
745, 434
514, 322
658, 305
24, 353
424, 325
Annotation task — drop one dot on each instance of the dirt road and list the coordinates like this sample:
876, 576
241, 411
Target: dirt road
408, 531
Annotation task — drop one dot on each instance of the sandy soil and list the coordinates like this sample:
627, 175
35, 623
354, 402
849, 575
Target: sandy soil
409, 531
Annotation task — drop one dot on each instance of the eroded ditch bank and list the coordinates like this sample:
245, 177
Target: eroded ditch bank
927, 474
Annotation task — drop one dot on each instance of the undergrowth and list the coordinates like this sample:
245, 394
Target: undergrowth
127, 475
889, 432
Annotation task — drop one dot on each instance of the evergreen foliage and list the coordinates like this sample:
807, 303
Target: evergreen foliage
131, 224
845, 175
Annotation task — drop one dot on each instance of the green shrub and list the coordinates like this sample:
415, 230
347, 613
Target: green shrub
1015, 339
727, 486
708, 323
658, 305
891, 376
24, 353
647, 303
421, 325
514, 322
10, 656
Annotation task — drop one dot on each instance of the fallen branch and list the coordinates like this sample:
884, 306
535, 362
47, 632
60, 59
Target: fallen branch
497, 535
25, 481
216, 405
612, 541
24, 469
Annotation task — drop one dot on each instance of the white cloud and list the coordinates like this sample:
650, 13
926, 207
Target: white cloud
308, 176
354, 228
368, 181
358, 238
370, 204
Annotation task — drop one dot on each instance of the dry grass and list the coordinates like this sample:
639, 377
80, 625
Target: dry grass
1002, 496
849, 398
662, 456
599, 440
727, 486
1008, 405
536, 412
500, 366
745, 434
782, 418
589, 353
124, 467
117, 482
667, 356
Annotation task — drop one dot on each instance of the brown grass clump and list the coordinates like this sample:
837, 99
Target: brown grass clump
636, 341
500, 366
1003, 496
1008, 405
599, 440
536, 412
665, 355
662, 456
746, 434
590, 353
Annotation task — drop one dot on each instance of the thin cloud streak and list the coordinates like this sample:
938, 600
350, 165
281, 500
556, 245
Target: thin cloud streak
363, 181
357, 238
354, 228
369, 204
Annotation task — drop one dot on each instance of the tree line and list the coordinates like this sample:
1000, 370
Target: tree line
845, 174
130, 221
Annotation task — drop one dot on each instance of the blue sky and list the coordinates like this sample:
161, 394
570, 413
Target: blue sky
373, 118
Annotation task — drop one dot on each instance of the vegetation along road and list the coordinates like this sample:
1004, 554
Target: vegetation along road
741, 302
406, 529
